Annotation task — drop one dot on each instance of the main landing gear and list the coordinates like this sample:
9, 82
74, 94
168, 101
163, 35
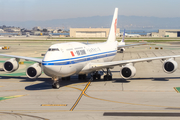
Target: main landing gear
55, 84
108, 75
96, 76
82, 76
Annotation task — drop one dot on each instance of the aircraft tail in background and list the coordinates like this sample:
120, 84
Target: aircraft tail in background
123, 36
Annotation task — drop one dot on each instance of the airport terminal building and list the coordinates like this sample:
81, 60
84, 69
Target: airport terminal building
167, 33
90, 32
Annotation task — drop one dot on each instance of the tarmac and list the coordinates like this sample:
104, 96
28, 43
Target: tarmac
150, 94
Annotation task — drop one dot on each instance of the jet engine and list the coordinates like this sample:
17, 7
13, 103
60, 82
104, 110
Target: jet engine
122, 50
170, 66
128, 71
11, 65
34, 71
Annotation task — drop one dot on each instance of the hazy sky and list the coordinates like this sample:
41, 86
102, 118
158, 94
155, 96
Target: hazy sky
22, 10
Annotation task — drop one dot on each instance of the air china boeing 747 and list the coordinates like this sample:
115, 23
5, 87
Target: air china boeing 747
66, 59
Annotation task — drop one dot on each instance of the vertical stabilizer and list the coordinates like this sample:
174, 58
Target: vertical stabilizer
123, 36
112, 33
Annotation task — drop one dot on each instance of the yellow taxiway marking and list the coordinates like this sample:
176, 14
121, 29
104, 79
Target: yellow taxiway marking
54, 105
74, 88
127, 103
82, 93
176, 89
77, 84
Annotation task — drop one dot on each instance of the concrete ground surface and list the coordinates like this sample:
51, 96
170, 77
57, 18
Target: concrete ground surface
149, 95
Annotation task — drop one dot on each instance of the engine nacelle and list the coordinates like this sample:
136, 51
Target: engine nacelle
170, 66
34, 71
122, 50
11, 65
128, 71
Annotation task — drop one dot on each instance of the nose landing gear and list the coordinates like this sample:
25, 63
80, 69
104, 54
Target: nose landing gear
55, 84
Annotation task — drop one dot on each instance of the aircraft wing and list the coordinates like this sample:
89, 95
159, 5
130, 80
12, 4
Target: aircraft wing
123, 46
96, 66
25, 58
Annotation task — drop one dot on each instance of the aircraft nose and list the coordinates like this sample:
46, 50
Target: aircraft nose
51, 70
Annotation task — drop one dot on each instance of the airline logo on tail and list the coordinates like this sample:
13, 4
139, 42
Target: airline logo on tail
112, 32
115, 25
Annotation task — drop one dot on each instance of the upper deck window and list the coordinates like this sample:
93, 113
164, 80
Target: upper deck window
53, 49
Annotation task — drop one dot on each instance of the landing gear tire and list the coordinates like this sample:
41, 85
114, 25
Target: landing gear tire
107, 77
56, 85
96, 76
110, 77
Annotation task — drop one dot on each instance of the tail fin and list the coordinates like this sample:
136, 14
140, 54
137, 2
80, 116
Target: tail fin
112, 33
123, 36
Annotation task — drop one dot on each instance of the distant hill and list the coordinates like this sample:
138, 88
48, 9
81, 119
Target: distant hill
128, 22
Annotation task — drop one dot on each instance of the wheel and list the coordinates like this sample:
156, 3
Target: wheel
56, 85
53, 86
98, 76
109, 77
105, 78
94, 77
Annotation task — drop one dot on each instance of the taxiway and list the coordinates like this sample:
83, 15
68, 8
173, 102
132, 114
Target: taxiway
150, 92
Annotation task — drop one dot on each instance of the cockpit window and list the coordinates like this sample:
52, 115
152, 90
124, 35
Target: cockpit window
53, 49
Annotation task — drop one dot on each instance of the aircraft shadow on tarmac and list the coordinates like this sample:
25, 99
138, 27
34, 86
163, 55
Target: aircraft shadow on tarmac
45, 83
148, 78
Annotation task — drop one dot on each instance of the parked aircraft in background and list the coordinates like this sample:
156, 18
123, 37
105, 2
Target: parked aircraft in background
66, 59
132, 35
122, 44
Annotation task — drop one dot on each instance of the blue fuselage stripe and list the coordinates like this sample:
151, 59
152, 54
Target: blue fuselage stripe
80, 59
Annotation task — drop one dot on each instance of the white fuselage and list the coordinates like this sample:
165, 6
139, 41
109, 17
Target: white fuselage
65, 59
